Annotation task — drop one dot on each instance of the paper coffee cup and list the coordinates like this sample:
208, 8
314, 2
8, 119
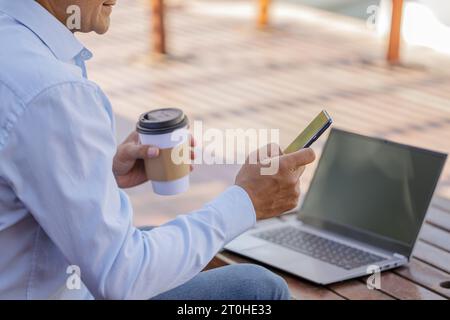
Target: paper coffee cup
166, 129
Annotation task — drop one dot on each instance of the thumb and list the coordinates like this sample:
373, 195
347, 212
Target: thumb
299, 158
133, 152
144, 151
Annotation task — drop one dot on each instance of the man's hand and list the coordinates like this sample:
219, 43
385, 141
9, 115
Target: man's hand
128, 163
272, 195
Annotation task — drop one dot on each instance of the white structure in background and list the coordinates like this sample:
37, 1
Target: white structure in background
425, 23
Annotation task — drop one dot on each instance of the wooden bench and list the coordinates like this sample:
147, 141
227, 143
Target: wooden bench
427, 276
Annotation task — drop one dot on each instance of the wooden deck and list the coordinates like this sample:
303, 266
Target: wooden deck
225, 72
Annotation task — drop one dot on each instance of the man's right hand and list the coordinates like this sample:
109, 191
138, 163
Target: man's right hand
272, 195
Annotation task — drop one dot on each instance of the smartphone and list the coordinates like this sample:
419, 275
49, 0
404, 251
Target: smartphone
311, 133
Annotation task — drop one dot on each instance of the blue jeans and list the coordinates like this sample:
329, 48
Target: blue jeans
234, 282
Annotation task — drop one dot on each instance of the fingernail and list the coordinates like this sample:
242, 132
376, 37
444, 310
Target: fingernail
152, 152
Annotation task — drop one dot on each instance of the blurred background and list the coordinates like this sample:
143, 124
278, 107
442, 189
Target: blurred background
275, 65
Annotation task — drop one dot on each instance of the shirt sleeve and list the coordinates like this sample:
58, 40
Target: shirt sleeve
61, 152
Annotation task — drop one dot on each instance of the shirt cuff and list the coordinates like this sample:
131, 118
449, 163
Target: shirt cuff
237, 211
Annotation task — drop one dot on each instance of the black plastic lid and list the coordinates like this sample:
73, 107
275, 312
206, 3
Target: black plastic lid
161, 121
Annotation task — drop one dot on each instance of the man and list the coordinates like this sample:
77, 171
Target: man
63, 212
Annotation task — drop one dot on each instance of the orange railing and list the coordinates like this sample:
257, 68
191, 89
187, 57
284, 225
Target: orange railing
158, 28
393, 54
263, 13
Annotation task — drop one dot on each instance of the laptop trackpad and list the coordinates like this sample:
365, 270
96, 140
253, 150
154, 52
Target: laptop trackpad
271, 254
245, 242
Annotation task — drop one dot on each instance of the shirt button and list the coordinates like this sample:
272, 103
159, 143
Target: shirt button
85, 55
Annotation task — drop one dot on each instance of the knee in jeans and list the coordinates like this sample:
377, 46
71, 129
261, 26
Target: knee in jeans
265, 284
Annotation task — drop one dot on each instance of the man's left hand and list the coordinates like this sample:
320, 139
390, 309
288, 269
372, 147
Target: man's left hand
128, 163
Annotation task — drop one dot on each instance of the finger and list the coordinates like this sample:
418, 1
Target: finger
136, 151
152, 152
299, 158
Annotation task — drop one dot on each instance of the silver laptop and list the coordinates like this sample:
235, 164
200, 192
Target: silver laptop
364, 209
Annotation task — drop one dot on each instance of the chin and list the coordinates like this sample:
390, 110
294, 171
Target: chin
101, 29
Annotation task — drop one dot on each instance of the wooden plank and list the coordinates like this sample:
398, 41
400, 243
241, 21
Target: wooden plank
435, 236
432, 255
441, 203
425, 275
300, 289
404, 289
304, 290
393, 55
438, 218
357, 290
158, 28
216, 262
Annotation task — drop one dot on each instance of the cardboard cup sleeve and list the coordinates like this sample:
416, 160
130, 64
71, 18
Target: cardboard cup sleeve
163, 168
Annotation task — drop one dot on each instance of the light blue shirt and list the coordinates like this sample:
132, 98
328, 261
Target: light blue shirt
60, 205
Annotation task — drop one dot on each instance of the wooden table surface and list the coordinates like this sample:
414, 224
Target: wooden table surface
426, 277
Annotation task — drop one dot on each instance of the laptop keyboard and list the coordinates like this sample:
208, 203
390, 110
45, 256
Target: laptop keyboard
320, 248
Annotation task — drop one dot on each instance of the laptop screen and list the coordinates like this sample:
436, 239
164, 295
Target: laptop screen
372, 190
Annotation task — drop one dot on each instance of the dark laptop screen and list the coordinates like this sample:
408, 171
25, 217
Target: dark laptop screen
372, 190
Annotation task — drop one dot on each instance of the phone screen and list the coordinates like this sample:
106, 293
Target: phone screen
311, 133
